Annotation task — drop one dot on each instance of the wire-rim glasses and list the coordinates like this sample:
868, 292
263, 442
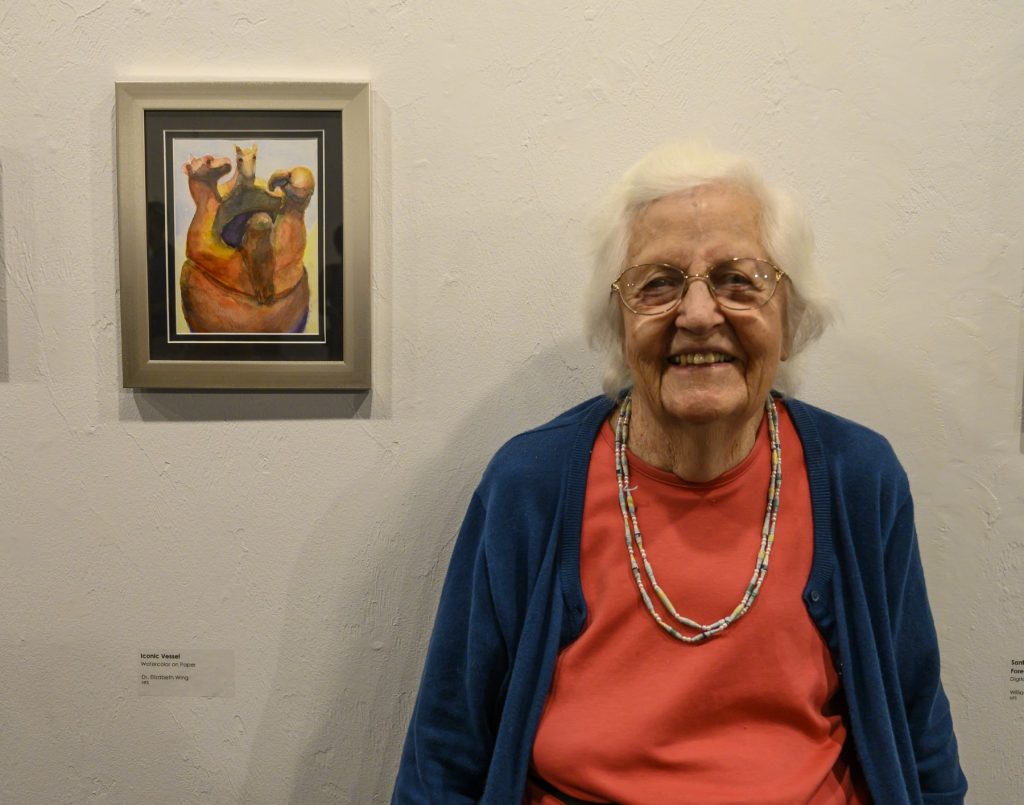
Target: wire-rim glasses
737, 283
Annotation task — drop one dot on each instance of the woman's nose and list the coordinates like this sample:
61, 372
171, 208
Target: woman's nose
698, 309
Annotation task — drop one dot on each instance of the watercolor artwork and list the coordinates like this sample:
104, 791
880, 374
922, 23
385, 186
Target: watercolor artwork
246, 235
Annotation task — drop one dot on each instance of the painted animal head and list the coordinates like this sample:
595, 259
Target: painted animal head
296, 185
245, 159
206, 168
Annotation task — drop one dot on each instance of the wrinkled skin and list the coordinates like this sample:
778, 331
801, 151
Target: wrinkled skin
700, 420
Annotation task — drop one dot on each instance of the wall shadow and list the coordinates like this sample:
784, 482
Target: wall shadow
382, 610
234, 406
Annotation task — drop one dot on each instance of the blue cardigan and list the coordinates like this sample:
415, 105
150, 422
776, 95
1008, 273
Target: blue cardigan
513, 598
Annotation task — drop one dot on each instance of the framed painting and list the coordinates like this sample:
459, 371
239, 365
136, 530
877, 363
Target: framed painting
244, 234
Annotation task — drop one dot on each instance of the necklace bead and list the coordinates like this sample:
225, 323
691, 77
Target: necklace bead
635, 543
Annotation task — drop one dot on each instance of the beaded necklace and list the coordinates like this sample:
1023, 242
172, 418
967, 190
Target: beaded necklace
628, 507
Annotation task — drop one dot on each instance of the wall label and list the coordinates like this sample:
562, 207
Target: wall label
192, 672
1017, 680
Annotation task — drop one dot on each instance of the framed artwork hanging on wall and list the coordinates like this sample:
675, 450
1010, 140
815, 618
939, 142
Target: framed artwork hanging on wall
244, 235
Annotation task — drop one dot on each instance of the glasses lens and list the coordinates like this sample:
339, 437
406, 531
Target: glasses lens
743, 284
651, 289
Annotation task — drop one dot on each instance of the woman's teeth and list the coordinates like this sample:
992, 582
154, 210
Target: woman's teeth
699, 358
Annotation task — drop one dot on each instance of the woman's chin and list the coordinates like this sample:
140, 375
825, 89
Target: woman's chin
703, 406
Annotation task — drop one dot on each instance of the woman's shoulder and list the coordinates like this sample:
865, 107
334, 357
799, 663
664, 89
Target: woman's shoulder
842, 443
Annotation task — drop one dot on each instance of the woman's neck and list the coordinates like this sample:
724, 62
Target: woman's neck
693, 452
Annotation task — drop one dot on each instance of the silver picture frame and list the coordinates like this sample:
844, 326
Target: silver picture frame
176, 332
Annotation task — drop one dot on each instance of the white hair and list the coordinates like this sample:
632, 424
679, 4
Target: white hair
785, 230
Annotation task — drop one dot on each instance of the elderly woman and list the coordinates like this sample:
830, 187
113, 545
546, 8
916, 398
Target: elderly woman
693, 589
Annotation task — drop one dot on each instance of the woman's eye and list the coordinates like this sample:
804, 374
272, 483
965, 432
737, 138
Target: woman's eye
730, 278
658, 283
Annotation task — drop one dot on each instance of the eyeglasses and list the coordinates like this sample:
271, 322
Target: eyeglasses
738, 283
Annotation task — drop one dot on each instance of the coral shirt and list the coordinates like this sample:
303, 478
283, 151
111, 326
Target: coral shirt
635, 716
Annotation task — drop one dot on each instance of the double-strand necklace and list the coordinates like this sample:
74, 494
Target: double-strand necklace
633, 538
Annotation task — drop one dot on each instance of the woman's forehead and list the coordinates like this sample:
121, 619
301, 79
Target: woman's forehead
698, 217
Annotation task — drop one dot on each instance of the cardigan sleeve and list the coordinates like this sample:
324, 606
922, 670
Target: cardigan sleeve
452, 732
917, 655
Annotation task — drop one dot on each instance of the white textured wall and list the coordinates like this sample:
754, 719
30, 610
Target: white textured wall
309, 533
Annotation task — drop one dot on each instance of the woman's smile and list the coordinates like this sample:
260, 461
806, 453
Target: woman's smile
700, 359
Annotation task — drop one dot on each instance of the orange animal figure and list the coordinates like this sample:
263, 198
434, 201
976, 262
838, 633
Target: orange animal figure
202, 244
289, 237
260, 286
258, 257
